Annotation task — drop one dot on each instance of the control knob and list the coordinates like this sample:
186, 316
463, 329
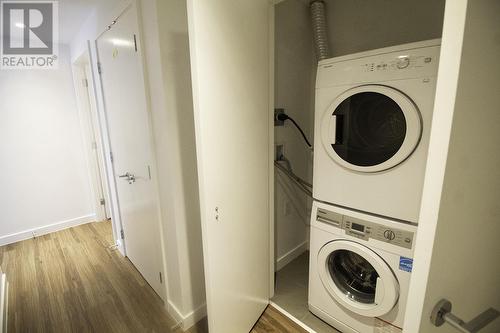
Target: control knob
389, 234
403, 62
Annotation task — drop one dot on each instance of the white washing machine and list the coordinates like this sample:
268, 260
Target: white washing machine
372, 124
360, 267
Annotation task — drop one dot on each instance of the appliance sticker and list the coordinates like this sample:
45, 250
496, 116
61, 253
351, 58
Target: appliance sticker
405, 264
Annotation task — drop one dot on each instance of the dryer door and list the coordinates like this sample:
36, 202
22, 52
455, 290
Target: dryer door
357, 278
371, 128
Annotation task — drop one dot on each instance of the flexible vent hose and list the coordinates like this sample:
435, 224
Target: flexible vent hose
319, 29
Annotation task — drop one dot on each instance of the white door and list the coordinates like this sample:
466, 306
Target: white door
457, 252
229, 44
128, 124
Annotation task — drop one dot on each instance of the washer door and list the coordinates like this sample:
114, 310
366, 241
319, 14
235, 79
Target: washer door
357, 278
371, 128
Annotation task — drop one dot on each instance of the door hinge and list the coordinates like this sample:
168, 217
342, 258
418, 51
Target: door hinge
135, 43
94, 145
99, 67
85, 83
111, 156
102, 201
122, 234
161, 279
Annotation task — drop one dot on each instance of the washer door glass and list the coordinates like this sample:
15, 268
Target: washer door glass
357, 278
353, 275
370, 129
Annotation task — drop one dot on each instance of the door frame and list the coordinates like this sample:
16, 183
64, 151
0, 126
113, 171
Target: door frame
91, 134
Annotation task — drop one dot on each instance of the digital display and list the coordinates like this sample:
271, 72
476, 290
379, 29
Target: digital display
358, 227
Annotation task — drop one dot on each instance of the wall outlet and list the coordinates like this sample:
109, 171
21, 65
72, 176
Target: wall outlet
276, 121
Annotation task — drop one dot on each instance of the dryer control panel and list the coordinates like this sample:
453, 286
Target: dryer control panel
365, 230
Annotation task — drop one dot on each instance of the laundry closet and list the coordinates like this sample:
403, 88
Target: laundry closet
321, 183
355, 187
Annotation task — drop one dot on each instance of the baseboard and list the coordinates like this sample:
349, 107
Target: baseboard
120, 247
175, 314
188, 320
291, 255
35, 232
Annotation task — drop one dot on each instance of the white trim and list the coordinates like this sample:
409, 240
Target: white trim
291, 255
176, 315
186, 321
90, 134
35, 232
291, 317
272, 239
3, 302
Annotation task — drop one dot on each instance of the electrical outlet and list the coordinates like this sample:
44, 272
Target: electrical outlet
276, 121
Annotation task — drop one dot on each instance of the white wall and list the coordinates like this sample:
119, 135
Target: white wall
360, 25
168, 67
294, 91
102, 15
43, 173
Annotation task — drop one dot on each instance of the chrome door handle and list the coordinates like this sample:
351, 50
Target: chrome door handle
442, 314
130, 177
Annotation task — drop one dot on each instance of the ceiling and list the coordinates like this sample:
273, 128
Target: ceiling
72, 15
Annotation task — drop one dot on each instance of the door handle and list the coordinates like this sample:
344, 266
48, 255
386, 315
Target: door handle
129, 177
442, 314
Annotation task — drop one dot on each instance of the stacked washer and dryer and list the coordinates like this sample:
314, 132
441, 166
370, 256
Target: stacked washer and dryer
372, 125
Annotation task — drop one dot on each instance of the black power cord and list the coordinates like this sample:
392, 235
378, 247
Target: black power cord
284, 116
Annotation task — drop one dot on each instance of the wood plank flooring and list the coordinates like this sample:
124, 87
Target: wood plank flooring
274, 321
73, 281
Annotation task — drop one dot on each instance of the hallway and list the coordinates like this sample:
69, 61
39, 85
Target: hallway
74, 281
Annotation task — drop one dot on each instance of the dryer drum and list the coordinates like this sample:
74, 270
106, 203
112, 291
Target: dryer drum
370, 129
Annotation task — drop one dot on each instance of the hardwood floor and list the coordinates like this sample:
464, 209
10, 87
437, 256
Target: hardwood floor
273, 321
73, 281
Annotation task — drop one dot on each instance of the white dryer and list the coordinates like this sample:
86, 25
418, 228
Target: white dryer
372, 124
360, 267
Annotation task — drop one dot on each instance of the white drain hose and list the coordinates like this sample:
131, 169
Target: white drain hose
320, 35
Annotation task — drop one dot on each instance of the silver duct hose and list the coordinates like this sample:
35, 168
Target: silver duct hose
319, 29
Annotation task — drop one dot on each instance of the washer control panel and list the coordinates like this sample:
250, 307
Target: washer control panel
365, 230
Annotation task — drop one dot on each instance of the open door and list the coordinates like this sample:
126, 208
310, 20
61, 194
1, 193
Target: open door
128, 123
229, 45
457, 246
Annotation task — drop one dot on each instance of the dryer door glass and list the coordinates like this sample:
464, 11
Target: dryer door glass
353, 275
370, 129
